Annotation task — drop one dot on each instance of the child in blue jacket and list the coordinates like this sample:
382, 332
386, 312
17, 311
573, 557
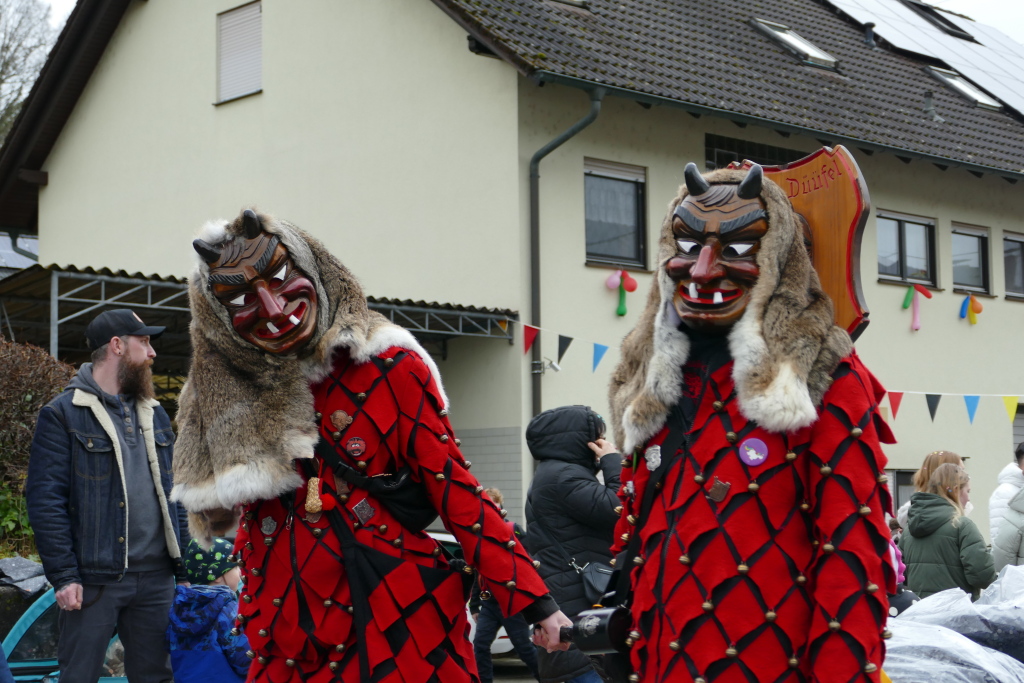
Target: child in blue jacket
199, 638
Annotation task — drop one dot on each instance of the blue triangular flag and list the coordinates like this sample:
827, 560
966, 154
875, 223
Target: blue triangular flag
599, 351
972, 406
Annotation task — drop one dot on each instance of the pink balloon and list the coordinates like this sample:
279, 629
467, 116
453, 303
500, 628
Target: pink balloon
613, 280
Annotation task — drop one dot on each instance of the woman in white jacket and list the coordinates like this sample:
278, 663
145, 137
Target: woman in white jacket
1011, 480
1008, 543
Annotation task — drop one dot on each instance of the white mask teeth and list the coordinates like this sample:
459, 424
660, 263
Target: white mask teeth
272, 327
293, 320
693, 291
717, 298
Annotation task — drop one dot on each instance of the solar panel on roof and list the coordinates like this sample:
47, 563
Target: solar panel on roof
995, 63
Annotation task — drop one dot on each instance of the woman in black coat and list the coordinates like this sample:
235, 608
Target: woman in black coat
571, 516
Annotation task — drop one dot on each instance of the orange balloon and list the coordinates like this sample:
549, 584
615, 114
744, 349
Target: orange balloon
976, 305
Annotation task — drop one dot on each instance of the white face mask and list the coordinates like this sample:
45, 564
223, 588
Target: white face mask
968, 509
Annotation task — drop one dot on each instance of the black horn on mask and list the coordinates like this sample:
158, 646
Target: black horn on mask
695, 183
251, 224
209, 252
751, 185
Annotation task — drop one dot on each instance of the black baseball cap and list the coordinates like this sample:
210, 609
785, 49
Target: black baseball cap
120, 322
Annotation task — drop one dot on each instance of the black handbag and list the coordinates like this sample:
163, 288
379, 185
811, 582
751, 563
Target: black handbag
404, 497
595, 576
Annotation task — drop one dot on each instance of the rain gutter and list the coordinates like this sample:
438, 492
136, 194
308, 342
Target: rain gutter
597, 93
833, 138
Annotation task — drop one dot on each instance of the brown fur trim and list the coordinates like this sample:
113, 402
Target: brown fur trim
244, 415
785, 346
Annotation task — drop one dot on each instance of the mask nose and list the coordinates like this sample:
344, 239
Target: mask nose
271, 306
708, 268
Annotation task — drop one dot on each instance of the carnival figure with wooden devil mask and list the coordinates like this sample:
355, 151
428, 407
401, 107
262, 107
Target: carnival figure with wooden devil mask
326, 428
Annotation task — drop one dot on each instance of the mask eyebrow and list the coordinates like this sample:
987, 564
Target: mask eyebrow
741, 221
691, 221
259, 266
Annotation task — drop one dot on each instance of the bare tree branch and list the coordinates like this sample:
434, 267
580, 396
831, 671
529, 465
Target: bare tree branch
25, 40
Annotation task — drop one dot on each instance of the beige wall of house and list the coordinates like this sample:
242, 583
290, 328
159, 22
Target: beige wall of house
384, 144
946, 355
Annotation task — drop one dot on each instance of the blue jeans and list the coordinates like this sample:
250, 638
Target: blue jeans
589, 677
488, 622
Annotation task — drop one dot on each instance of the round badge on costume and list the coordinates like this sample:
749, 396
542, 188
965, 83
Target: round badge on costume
355, 446
753, 452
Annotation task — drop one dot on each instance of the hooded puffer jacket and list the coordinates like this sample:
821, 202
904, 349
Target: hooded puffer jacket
942, 552
568, 507
1008, 543
199, 638
1011, 480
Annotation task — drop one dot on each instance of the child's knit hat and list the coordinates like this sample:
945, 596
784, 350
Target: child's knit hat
204, 566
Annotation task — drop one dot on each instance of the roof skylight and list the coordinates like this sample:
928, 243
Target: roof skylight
795, 43
934, 17
965, 88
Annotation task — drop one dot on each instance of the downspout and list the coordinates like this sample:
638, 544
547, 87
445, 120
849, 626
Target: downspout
14, 235
537, 367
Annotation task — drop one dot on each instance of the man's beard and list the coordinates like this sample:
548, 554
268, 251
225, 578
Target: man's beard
136, 380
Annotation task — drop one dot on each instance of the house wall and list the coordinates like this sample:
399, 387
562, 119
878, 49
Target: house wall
946, 355
376, 130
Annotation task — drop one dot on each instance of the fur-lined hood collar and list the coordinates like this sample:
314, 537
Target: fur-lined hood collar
245, 415
785, 346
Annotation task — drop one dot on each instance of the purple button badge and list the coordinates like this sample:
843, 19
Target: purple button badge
753, 452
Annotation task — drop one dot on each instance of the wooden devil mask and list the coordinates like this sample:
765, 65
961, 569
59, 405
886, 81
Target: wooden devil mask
271, 303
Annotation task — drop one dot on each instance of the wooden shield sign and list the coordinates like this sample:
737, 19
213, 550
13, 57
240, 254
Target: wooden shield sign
828, 191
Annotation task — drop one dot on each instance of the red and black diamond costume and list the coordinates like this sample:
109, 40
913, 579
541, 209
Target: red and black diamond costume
764, 554
372, 395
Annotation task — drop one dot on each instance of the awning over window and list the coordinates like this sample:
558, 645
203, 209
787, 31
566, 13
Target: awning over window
50, 307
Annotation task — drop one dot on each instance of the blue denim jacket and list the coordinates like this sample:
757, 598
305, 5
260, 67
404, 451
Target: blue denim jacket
75, 489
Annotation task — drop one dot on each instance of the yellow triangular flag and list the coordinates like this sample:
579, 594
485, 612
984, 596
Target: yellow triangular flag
503, 324
1011, 405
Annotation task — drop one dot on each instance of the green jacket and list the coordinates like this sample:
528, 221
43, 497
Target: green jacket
941, 552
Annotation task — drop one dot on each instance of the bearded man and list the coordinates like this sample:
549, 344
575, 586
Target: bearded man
327, 427
753, 494
98, 497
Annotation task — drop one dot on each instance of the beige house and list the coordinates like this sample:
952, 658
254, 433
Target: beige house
401, 133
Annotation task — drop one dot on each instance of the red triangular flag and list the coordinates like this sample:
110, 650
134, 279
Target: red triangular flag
895, 398
529, 335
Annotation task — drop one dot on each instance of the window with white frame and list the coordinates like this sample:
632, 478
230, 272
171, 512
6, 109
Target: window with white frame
906, 248
615, 209
239, 52
807, 51
970, 258
1013, 264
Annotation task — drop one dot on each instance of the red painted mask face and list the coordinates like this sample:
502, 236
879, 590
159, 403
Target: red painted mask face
272, 304
717, 236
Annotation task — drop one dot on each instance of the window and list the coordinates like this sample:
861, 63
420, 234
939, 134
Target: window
906, 249
964, 88
901, 487
1013, 264
798, 45
970, 259
933, 16
239, 52
615, 213
720, 151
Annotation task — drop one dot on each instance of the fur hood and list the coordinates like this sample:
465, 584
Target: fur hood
785, 346
244, 415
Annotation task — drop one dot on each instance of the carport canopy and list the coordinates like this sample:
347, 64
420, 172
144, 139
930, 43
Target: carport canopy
50, 306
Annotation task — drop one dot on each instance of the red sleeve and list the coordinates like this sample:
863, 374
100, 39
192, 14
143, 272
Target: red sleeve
428, 445
850, 574
627, 506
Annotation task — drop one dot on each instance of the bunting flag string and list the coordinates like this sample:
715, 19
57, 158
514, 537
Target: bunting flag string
971, 401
